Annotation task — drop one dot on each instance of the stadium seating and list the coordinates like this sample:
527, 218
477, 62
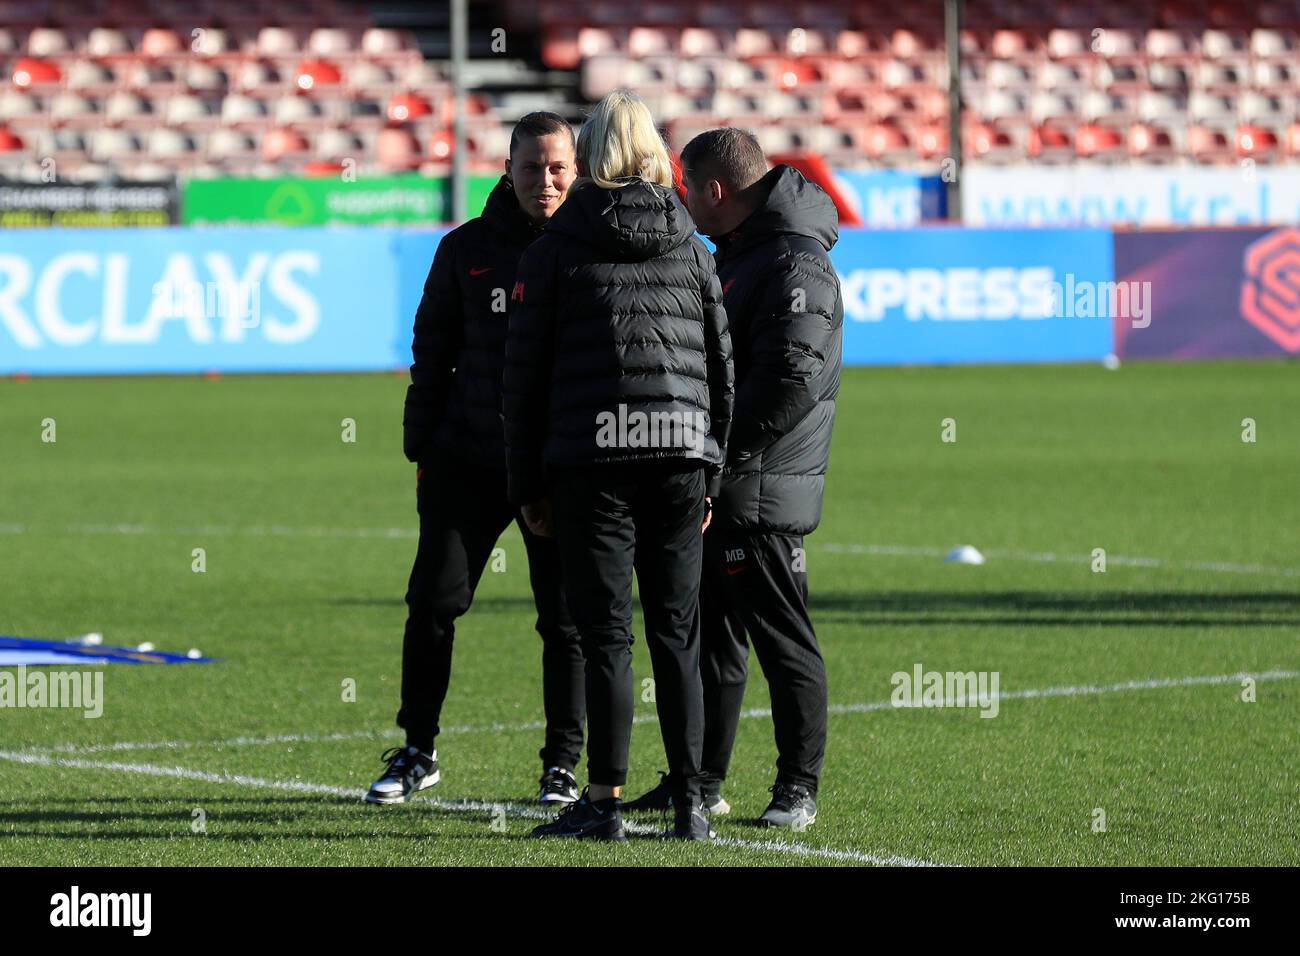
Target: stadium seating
1173, 82
111, 85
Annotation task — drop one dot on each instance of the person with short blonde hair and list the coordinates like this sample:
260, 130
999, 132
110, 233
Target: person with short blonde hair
620, 141
618, 394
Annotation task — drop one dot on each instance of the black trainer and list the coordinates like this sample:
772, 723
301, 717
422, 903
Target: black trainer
409, 771
558, 786
660, 797
586, 819
691, 822
793, 807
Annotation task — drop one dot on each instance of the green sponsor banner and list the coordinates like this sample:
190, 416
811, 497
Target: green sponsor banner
290, 201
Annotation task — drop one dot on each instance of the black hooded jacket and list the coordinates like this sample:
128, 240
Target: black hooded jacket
453, 404
786, 315
617, 317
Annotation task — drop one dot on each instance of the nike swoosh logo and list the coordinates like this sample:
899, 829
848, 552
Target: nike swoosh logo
734, 571
479, 272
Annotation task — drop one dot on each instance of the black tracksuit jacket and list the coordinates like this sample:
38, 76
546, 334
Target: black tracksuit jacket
453, 404
782, 296
616, 304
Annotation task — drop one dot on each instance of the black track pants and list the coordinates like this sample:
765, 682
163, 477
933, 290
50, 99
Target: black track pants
610, 520
463, 511
757, 584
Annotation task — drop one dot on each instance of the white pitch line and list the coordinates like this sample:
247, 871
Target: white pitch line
1219, 567
750, 713
887, 550
457, 806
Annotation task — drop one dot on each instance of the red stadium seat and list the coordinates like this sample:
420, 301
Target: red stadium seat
322, 169
442, 145
560, 48
311, 75
408, 106
989, 142
1049, 143
31, 74
1009, 44
1256, 142
884, 141
1092, 141
1293, 139
931, 140
279, 144
1209, 144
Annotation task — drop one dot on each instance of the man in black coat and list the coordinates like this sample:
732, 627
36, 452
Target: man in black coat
773, 230
453, 431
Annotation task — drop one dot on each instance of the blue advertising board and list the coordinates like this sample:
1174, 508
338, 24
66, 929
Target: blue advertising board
893, 198
939, 295
241, 299
106, 301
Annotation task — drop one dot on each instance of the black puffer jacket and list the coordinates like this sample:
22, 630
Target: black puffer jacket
453, 405
616, 305
783, 299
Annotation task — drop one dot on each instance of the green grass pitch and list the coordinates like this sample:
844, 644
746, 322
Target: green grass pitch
259, 759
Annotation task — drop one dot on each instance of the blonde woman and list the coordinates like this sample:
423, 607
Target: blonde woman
618, 396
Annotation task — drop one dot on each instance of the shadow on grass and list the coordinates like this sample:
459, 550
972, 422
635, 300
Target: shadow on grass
1062, 608
1004, 608
502, 604
249, 818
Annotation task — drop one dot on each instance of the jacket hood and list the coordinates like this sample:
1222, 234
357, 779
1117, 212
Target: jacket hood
504, 215
794, 207
635, 222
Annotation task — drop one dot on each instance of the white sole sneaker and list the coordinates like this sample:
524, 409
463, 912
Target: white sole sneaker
396, 796
548, 799
719, 809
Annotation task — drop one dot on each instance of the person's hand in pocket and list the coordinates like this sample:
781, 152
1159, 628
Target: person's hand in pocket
538, 518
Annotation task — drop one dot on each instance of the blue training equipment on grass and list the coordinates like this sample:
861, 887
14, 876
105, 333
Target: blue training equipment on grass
23, 650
